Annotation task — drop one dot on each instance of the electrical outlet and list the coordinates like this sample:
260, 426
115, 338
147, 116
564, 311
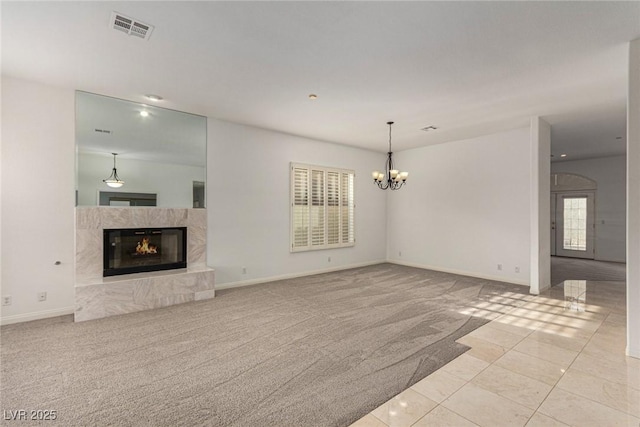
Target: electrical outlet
329, 259
500, 267
42, 296
517, 269
6, 300
399, 253
244, 270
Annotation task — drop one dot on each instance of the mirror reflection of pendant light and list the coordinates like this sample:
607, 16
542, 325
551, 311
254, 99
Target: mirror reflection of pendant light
113, 180
391, 178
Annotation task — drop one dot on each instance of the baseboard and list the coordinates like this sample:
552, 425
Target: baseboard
611, 260
294, 275
460, 272
633, 352
38, 315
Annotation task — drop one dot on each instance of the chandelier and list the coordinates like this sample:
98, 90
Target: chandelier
113, 180
391, 178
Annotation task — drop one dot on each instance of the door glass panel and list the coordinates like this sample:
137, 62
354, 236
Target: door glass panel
575, 224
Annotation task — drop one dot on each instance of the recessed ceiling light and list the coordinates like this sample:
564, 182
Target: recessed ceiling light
563, 155
154, 98
313, 96
144, 113
429, 128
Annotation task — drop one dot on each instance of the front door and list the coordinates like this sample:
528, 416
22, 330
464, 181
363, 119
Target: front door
573, 224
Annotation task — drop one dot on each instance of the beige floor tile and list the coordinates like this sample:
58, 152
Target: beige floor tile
465, 367
577, 323
442, 417
541, 420
439, 385
614, 395
368, 421
569, 338
532, 367
612, 329
497, 336
404, 409
545, 305
532, 315
503, 324
611, 336
520, 322
591, 312
486, 408
579, 411
625, 370
617, 318
519, 388
481, 349
549, 352
596, 349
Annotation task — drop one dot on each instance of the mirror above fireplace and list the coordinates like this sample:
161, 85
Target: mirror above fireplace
161, 153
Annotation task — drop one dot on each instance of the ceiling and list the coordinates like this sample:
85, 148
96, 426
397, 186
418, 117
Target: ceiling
468, 68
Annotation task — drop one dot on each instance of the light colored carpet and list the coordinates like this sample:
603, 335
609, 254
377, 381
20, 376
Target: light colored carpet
322, 350
563, 268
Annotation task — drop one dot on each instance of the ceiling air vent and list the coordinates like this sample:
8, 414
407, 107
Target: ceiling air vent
131, 26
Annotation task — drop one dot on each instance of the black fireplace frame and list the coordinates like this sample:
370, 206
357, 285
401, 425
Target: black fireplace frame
106, 271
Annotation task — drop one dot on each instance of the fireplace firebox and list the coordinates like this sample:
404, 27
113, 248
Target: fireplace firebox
135, 250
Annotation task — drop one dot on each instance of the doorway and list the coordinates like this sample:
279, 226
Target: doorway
573, 224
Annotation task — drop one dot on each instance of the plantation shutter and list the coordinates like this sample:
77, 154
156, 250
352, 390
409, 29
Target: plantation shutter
333, 208
300, 215
347, 209
317, 208
322, 207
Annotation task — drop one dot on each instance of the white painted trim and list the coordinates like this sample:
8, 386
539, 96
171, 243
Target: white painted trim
461, 272
38, 315
294, 275
633, 201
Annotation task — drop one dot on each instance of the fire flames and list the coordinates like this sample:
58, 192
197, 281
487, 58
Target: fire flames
144, 247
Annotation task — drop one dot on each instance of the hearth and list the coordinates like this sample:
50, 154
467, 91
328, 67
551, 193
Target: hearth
134, 250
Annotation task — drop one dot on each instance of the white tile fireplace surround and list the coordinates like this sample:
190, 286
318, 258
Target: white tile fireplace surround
98, 296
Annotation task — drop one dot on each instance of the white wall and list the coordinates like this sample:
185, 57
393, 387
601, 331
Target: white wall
171, 182
248, 204
540, 261
633, 202
465, 207
38, 153
610, 205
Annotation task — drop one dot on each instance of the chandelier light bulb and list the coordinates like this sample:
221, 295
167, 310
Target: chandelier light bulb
113, 183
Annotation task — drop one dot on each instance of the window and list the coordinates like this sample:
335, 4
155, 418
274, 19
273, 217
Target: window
322, 207
575, 223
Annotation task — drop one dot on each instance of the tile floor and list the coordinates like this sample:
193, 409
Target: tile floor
539, 362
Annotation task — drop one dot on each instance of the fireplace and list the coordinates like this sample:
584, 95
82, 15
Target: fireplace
135, 250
